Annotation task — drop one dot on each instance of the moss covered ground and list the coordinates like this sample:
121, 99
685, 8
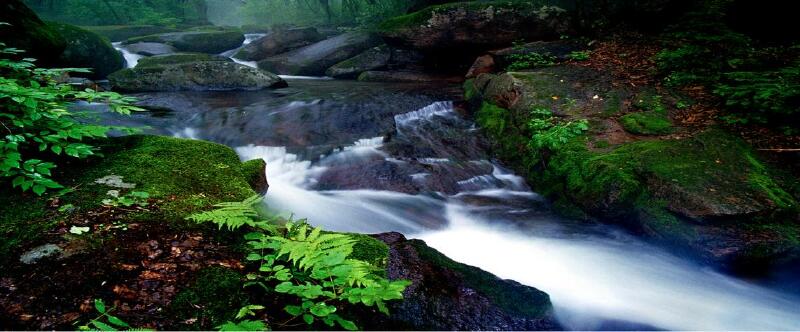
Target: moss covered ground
181, 176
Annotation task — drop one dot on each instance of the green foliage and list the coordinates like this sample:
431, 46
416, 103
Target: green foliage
294, 12
521, 61
133, 198
580, 55
37, 125
646, 123
116, 12
308, 264
106, 321
550, 133
245, 325
759, 95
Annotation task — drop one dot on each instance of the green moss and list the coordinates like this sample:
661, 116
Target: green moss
27, 32
185, 176
178, 58
512, 297
646, 123
254, 171
213, 298
86, 49
370, 250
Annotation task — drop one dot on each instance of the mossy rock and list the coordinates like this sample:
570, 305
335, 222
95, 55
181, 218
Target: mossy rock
117, 33
177, 58
200, 40
708, 195
86, 49
194, 76
184, 176
27, 32
372, 59
647, 123
212, 299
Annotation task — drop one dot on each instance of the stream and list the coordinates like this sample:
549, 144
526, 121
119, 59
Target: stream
374, 157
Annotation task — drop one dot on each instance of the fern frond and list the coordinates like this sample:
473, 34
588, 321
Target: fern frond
232, 215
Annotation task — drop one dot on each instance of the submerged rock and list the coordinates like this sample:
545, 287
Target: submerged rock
204, 75
278, 42
314, 59
86, 49
475, 26
212, 41
150, 49
447, 295
372, 59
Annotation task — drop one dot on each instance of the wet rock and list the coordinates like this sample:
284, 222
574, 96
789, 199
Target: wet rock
447, 295
314, 59
372, 59
482, 65
212, 41
475, 26
405, 77
43, 251
198, 76
86, 49
277, 42
150, 49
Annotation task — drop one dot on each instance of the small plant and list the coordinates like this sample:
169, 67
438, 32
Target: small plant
134, 198
579, 55
550, 133
306, 263
105, 321
520, 61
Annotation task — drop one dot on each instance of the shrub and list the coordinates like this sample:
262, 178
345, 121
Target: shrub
760, 95
520, 61
36, 122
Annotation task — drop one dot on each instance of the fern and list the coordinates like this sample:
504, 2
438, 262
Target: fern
232, 215
305, 262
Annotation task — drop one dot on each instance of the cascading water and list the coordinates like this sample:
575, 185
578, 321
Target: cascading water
331, 159
131, 59
248, 38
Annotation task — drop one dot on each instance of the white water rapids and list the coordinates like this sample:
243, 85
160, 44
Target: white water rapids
590, 277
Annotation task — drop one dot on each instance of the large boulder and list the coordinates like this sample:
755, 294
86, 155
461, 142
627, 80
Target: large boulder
86, 49
197, 76
316, 58
449, 296
372, 59
116, 33
27, 32
470, 27
150, 49
278, 42
405, 76
707, 194
207, 40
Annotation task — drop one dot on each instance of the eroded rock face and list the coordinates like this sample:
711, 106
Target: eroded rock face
315, 59
447, 295
278, 42
204, 75
475, 26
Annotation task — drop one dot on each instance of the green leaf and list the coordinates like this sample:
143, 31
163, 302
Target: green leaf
293, 310
100, 306
309, 319
103, 326
116, 321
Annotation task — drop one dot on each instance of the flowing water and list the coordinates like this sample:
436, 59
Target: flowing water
370, 158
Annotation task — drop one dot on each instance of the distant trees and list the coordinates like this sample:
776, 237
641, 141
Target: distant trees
116, 12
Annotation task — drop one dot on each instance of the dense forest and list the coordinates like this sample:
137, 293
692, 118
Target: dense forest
253, 165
